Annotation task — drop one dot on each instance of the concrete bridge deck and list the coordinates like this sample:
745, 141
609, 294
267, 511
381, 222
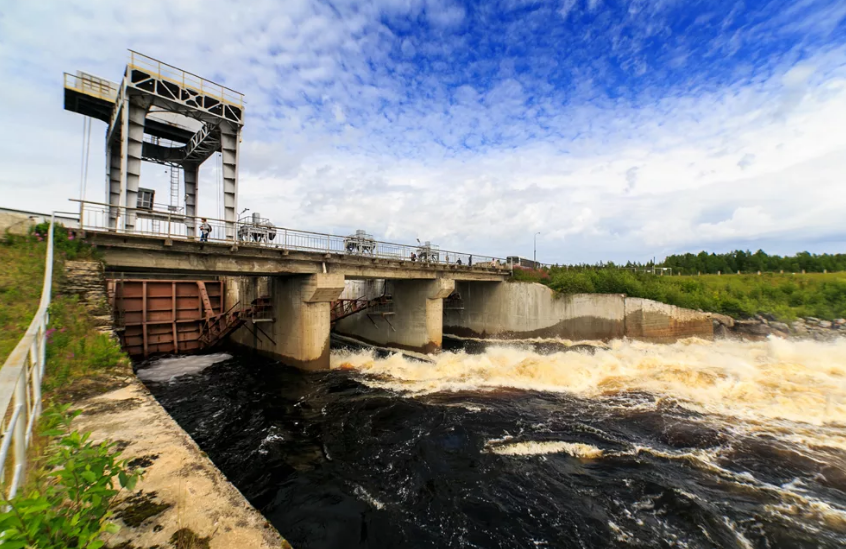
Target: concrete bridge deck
162, 254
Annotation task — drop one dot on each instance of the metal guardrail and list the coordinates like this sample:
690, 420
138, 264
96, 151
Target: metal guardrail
91, 85
20, 385
97, 216
185, 79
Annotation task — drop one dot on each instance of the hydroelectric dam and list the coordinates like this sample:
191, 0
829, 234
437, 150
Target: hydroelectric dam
369, 394
183, 282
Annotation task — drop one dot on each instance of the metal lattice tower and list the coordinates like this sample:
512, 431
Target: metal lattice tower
148, 86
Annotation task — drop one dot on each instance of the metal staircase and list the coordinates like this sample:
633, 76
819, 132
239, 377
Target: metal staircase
343, 308
217, 327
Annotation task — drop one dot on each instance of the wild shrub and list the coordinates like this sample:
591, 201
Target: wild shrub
68, 503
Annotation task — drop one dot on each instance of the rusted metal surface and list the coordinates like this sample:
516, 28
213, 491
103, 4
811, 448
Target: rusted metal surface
163, 316
343, 308
215, 328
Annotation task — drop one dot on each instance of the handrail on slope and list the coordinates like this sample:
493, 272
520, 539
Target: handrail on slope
20, 385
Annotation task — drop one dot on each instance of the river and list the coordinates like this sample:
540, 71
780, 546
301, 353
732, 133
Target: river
531, 444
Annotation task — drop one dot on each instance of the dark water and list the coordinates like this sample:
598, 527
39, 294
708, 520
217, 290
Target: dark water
333, 463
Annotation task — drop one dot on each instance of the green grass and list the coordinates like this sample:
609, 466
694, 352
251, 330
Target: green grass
21, 277
786, 296
75, 349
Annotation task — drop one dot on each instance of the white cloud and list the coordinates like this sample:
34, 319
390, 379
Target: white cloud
566, 7
336, 141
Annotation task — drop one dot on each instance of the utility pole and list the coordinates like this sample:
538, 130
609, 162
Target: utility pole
535, 258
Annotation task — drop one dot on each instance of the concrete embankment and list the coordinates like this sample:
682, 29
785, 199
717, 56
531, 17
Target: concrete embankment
520, 310
182, 496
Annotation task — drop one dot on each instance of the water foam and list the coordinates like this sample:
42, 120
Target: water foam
167, 369
798, 381
530, 448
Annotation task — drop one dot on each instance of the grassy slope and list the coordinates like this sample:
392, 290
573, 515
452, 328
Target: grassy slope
787, 296
21, 276
75, 349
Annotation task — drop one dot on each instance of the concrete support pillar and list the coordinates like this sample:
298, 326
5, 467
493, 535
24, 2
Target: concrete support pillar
113, 167
192, 179
417, 320
299, 335
230, 138
134, 115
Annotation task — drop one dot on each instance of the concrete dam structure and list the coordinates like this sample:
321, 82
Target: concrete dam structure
527, 310
189, 283
521, 310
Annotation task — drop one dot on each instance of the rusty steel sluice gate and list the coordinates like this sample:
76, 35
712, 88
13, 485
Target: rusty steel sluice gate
163, 316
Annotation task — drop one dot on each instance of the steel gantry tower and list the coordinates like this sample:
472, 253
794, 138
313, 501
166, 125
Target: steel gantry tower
142, 126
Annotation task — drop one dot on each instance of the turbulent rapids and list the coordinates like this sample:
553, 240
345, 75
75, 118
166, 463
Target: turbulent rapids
532, 444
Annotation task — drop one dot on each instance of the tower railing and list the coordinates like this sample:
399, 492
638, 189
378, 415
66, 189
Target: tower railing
95, 216
94, 86
20, 386
186, 80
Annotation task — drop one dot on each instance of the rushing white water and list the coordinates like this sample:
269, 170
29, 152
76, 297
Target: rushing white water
799, 381
167, 369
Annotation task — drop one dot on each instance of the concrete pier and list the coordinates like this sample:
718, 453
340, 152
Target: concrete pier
415, 322
299, 332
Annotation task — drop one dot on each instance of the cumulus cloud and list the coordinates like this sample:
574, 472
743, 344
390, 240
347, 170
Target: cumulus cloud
405, 118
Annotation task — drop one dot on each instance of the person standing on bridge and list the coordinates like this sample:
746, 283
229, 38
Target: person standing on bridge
205, 230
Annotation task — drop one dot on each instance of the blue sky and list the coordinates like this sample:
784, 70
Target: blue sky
620, 129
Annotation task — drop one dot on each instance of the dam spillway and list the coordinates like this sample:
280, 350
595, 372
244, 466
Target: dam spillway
696, 443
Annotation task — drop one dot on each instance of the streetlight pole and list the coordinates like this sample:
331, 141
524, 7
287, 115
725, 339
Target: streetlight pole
535, 266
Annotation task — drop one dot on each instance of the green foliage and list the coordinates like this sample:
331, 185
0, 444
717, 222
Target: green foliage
66, 243
74, 348
748, 262
21, 277
785, 296
69, 504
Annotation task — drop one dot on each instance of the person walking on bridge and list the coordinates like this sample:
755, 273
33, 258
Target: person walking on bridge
205, 230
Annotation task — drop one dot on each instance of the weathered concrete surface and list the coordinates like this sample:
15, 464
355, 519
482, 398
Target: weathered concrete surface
16, 223
145, 253
299, 333
368, 289
518, 310
659, 322
87, 280
417, 320
179, 473
524, 310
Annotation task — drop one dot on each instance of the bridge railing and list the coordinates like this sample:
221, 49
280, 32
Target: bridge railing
97, 216
20, 387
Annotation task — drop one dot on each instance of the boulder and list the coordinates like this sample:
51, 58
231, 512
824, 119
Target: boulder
824, 324
840, 321
721, 331
752, 327
724, 320
811, 320
780, 326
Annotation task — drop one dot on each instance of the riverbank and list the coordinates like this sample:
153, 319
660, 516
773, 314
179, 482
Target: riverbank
182, 500
785, 297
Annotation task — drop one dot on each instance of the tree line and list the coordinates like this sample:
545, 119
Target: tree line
748, 262
731, 262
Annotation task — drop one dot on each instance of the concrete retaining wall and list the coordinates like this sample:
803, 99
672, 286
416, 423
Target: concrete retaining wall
653, 321
519, 310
